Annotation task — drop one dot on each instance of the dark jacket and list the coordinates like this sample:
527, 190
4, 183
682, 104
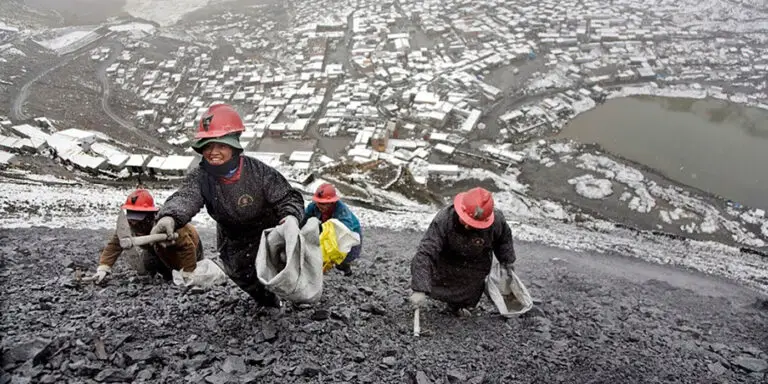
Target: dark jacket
452, 262
243, 209
258, 200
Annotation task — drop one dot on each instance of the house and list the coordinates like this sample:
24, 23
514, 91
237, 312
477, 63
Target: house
272, 159
7, 159
443, 169
176, 165
301, 156
36, 136
137, 163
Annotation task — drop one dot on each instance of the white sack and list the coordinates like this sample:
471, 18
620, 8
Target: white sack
508, 293
345, 237
289, 262
206, 274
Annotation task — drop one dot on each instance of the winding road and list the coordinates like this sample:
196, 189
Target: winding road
17, 107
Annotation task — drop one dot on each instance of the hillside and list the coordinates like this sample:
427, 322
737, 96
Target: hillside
599, 319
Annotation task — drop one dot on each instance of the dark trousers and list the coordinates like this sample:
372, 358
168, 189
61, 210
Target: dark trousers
239, 262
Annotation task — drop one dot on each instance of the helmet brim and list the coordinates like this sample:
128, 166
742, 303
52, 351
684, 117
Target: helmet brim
467, 219
129, 207
325, 200
230, 140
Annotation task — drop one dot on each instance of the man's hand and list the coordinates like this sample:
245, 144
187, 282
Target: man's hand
101, 273
167, 226
509, 268
418, 299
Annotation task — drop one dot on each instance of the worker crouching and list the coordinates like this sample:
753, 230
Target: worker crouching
243, 195
137, 220
455, 254
326, 205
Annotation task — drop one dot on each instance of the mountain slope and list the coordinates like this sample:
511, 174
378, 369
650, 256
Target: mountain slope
599, 319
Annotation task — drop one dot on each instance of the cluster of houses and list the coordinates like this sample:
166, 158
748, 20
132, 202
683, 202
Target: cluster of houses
86, 151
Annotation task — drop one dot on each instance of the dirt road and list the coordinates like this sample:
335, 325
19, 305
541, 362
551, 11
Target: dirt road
599, 319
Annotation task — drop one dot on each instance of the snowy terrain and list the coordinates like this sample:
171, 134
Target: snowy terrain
165, 12
32, 203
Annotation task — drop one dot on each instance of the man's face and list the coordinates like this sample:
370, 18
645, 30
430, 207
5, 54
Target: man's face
325, 207
141, 227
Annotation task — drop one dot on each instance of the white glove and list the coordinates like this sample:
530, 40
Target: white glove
101, 273
418, 299
167, 226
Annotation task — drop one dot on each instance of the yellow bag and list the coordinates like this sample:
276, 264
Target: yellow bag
332, 256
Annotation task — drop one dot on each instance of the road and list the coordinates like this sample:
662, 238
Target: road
17, 108
101, 74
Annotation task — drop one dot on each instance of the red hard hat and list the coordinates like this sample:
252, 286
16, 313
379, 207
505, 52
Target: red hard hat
219, 120
325, 193
140, 200
475, 208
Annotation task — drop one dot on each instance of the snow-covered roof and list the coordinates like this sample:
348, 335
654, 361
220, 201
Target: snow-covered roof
443, 168
177, 163
136, 160
269, 158
156, 162
301, 156
78, 134
28, 131
6, 157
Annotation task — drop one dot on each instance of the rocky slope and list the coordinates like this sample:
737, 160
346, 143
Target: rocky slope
599, 319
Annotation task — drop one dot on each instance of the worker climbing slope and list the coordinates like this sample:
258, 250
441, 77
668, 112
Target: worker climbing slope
326, 205
243, 195
455, 254
137, 220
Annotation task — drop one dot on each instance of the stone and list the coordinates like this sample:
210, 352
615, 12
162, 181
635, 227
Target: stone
366, 290
320, 314
269, 331
389, 361
145, 375
233, 364
373, 308
717, 368
358, 357
101, 352
140, 354
421, 378
218, 378
111, 375
750, 364
307, 370
454, 376
38, 350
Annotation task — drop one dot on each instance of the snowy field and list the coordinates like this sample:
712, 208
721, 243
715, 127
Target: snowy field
165, 12
68, 39
40, 203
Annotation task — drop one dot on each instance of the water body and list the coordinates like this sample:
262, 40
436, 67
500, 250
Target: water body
714, 145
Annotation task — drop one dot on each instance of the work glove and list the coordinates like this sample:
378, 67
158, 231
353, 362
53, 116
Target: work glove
418, 299
101, 273
167, 226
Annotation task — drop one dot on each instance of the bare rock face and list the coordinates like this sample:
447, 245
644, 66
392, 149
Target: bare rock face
585, 325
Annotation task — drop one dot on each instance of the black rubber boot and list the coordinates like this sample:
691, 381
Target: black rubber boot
346, 268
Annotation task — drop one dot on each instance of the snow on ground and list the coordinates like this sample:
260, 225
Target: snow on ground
94, 207
652, 89
137, 30
591, 187
643, 201
63, 41
165, 12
